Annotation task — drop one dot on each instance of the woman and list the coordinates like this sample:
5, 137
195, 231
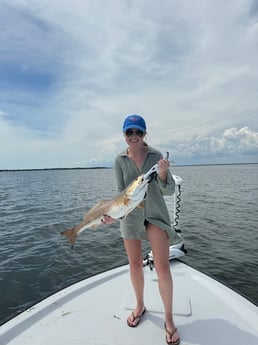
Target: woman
151, 222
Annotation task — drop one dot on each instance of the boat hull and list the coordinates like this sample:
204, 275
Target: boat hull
94, 311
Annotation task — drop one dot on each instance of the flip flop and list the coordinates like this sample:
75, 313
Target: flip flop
171, 335
135, 318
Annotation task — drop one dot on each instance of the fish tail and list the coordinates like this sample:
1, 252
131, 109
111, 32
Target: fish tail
71, 235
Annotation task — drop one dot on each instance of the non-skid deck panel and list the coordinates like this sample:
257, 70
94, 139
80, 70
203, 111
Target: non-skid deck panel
181, 306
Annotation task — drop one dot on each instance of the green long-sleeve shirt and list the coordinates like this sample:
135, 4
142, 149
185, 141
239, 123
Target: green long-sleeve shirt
155, 209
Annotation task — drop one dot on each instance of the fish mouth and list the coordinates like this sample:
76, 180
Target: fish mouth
149, 175
147, 178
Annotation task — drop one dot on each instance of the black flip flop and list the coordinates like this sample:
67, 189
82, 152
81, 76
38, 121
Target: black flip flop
136, 318
171, 335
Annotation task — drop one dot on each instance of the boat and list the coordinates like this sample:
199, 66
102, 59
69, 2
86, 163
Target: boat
94, 311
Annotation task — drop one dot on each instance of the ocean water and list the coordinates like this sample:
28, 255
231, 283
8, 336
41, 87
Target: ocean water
218, 220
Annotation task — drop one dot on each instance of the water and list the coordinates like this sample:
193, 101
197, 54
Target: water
218, 220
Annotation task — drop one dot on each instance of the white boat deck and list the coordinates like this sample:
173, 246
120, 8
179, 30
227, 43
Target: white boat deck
94, 311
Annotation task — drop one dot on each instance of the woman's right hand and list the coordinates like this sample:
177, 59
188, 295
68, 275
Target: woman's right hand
106, 219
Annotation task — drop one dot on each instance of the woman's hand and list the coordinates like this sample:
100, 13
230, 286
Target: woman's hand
107, 219
163, 168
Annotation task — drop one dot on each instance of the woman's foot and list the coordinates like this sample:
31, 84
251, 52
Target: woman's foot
172, 337
135, 317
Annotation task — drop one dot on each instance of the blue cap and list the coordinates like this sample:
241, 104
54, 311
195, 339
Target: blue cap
134, 121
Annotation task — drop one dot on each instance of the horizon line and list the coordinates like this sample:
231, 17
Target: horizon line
108, 167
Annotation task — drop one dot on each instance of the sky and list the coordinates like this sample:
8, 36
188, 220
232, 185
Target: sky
72, 70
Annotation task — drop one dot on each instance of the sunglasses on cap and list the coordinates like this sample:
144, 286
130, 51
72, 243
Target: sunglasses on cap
131, 132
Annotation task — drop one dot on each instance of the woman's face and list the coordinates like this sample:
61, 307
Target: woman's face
134, 136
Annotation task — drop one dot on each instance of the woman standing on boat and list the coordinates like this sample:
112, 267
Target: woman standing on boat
151, 222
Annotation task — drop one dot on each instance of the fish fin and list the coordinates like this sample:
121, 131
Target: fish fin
71, 235
141, 205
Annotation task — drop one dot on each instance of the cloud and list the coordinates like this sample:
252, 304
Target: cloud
69, 73
2, 113
234, 146
243, 140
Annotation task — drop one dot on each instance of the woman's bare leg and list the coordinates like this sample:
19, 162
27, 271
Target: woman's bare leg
160, 247
134, 253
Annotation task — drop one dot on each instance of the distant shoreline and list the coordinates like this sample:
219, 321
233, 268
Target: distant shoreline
103, 167
44, 169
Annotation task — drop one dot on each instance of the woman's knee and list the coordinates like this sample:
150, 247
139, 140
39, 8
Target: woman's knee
134, 253
162, 267
135, 264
